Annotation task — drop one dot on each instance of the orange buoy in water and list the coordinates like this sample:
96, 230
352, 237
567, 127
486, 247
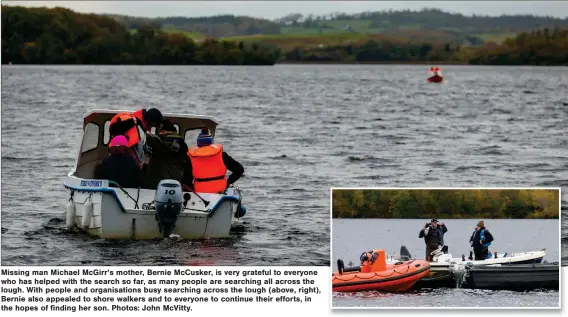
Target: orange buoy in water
435, 75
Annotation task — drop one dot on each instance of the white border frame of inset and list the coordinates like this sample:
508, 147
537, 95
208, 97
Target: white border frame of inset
447, 188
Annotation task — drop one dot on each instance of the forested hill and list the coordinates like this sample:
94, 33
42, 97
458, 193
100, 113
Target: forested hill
61, 36
216, 26
366, 22
446, 204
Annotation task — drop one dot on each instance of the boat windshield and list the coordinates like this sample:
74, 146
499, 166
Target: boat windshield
95, 140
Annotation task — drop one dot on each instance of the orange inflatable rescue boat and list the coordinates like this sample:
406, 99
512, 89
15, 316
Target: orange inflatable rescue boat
375, 274
435, 75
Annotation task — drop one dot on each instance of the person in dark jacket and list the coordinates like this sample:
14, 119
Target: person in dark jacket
121, 165
480, 241
433, 234
148, 118
168, 156
207, 154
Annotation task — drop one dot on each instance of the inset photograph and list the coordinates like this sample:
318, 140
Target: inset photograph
445, 247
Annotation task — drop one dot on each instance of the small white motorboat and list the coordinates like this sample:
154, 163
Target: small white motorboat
444, 267
103, 209
442, 259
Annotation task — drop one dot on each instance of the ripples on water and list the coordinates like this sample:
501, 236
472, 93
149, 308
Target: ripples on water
446, 297
298, 130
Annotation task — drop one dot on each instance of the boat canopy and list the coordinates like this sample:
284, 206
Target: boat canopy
94, 145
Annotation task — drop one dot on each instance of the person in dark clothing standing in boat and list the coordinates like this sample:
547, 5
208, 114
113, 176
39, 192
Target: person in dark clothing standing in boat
480, 241
433, 234
169, 156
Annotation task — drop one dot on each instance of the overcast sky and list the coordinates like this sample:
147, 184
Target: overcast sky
275, 9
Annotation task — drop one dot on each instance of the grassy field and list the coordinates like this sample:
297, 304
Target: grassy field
194, 35
495, 37
338, 26
288, 42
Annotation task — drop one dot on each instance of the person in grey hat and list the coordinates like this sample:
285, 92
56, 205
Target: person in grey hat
433, 234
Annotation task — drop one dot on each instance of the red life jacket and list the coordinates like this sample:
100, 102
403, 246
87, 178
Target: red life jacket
126, 126
209, 171
127, 121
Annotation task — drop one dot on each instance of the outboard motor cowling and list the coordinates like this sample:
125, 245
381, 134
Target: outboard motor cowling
168, 202
405, 254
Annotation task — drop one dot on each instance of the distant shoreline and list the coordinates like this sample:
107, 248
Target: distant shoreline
403, 63
374, 63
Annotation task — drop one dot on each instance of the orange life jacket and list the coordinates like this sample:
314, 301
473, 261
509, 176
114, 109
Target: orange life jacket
209, 171
366, 264
374, 261
132, 133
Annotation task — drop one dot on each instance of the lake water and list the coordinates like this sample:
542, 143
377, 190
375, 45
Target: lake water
351, 237
297, 129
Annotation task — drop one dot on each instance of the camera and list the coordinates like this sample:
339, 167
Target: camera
429, 224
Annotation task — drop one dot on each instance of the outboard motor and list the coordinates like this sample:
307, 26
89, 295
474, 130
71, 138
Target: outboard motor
168, 202
404, 253
342, 269
340, 266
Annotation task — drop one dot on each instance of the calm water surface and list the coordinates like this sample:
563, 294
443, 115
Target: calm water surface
298, 130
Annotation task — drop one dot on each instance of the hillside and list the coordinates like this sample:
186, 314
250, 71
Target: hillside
62, 36
444, 26
214, 27
426, 19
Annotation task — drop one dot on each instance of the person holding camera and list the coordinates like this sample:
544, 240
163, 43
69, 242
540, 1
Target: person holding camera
433, 234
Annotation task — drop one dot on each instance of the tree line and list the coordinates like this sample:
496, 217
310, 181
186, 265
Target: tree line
436, 19
215, 26
448, 204
539, 47
61, 36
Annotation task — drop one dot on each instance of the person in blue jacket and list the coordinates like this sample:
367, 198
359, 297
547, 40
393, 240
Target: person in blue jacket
480, 241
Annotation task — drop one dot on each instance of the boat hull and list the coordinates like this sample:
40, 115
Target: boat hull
397, 278
435, 79
519, 277
442, 275
437, 278
115, 216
